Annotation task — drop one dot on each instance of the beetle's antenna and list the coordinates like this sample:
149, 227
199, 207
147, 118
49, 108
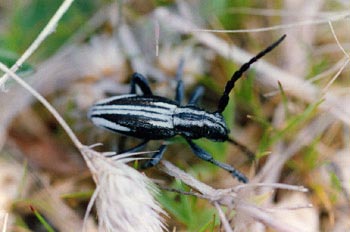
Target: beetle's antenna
231, 83
243, 148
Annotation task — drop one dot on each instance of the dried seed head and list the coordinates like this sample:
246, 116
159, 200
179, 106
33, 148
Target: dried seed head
124, 197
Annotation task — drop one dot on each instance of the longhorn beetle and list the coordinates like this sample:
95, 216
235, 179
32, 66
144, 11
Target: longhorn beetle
150, 117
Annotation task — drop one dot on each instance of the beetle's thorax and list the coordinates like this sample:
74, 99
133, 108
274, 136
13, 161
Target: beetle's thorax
193, 123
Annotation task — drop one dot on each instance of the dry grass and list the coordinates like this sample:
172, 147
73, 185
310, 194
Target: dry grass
297, 106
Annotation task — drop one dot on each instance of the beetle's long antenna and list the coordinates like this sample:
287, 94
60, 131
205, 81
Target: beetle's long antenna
231, 83
243, 148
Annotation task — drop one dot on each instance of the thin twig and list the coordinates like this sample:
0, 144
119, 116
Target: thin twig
289, 208
223, 218
49, 28
272, 185
325, 89
281, 12
156, 35
4, 228
190, 193
274, 28
336, 39
90, 205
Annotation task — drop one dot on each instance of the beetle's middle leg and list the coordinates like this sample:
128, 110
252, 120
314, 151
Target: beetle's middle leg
207, 157
155, 158
137, 148
121, 143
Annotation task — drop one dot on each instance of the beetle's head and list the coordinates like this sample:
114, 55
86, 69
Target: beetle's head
215, 128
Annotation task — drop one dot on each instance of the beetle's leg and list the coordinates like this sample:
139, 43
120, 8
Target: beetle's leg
133, 149
141, 81
121, 143
180, 85
207, 157
155, 158
137, 147
196, 95
243, 148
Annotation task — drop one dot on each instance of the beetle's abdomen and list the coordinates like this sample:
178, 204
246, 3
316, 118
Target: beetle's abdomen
145, 117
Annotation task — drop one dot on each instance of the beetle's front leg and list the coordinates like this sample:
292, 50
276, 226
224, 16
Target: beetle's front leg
155, 158
141, 81
207, 157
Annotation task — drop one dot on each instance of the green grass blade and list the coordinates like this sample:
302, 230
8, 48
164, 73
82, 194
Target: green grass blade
42, 220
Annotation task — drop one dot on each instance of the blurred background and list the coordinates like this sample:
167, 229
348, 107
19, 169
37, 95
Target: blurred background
292, 109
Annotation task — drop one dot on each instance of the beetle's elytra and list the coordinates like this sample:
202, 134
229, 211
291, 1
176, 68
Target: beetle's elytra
150, 117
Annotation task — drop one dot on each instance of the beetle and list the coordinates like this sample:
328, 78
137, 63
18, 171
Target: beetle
150, 117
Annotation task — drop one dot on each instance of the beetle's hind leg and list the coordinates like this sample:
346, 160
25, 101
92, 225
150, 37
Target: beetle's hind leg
121, 143
141, 81
137, 148
196, 95
180, 85
209, 158
155, 158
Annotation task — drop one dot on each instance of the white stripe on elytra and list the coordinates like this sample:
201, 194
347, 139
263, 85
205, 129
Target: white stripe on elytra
164, 122
167, 124
109, 125
160, 104
133, 108
152, 116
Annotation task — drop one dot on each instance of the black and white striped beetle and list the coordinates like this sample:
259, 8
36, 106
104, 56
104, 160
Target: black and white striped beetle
150, 117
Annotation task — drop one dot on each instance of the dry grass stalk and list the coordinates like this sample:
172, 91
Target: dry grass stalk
4, 222
236, 199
